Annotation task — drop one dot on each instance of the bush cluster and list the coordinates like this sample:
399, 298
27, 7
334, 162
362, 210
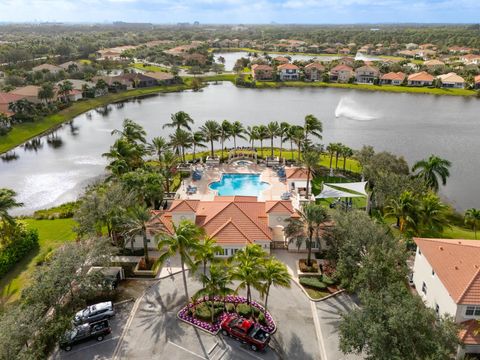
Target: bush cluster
58, 212
313, 282
310, 269
203, 310
23, 242
245, 310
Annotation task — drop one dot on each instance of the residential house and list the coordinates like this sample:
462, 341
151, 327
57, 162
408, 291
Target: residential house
446, 274
314, 71
115, 53
434, 64
344, 51
341, 73
452, 80
470, 59
288, 72
162, 78
420, 79
426, 53
234, 221
477, 82
79, 86
5, 100
262, 72
75, 65
29, 92
411, 46
393, 78
139, 80
114, 83
459, 50
407, 53
346, 60
297, 179
48, 67
366, 74
281, 60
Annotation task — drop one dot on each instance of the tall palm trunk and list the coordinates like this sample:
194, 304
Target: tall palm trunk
267, 291
145, 248
331, 159
310, 238
299, 152
336, 161
281, 146
344, 163
291, 148
271, 147
194, 150
211, 147
183, 154
308, 181
234, 142
184, 279
261, 147
221, 156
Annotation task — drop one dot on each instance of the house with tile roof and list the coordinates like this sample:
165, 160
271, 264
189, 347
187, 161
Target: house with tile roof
48, 67
6, 99
434, 64
420, 79
341, 73
262, 72
288, 72
314, 71
452, 80
446, 274
393, 78
366, 74
29, 92
234, 221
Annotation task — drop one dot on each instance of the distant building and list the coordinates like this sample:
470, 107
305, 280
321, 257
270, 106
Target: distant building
341, 73
434, 64
29, 92
6, 99
281, 60
420, 79
288, 72
366, 74
477, 82
393, 78
470, 59
48, 67
262, 72
452, 80
314, 71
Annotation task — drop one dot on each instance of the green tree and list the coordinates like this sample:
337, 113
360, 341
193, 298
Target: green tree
247, 269
312, 126
273, 130
211, 132
145, 184
137, 219
331, 148
237, 131
433, 169
251, 132
168, 167
406, 210
261, 134
472, 216
7, 203
64, 89
158, 146
183, 241
433, 214
46, 92
225, 133
132, 132
197, 142
346, 153
274, 273
206, 252
282, 133
298, 137
179, 120
179, 141
311, 161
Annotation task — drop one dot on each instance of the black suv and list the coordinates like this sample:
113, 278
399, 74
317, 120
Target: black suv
84, 332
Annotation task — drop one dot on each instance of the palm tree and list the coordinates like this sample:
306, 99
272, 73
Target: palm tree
311, 161
433, 214
225, 132
331, 150
125, 157
298, 137
431, 169
262, 134
158, 146
64, 89
215, 284
237, 130
313, 216
132, 132
136, 224
251, 132
273, 130
274, 273
197, 142
338, 151
289, 136
7, 202
405, 210
46, 92
248, 269
211, 133
206, 252
346, 153
472, 216
313, 126
179, 120
180, 140
168, 164
183, 241
284, 126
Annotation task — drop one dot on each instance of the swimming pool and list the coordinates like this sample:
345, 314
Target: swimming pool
239, 184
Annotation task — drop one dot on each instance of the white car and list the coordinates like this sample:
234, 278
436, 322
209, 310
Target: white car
94, 313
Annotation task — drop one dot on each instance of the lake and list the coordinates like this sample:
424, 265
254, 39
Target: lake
411, 125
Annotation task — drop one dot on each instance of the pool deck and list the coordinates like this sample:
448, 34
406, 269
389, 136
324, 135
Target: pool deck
212, 174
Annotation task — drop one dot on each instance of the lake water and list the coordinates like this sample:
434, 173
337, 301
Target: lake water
411, 125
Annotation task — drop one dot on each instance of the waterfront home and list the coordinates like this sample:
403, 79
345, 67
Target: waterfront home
452, 80
407, 53
281, 60
161, 78
470, 59
446, 274
341, 73
434, 64
6, 99
288, 72
346, 60
477, 82
71, 65
114, 83
234, 221
393, 78
79, 85
314, 71
139, 80
366, 74
420, 79
262, 72
29, 92
411, 46
48, 67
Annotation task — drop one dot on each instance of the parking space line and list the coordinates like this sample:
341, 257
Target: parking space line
189, 351
92, 345
318, 330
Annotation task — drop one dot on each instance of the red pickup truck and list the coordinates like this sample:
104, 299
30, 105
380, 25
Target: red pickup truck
245, 331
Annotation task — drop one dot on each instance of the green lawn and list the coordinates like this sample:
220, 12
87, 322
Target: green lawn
52, 234
151, 68
23, 132
456, 232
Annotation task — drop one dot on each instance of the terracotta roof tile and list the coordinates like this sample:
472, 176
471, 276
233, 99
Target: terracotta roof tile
184, 205
287, 67
420, 76
457, 265
279, 206
296, 173
400, 76
469, 333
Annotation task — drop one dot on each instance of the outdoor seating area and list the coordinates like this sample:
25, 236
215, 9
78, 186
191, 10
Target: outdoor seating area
191, 190
282, 176
197, 174
286, 196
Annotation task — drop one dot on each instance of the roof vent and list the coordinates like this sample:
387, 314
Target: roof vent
476, 266
456, 267
441, 248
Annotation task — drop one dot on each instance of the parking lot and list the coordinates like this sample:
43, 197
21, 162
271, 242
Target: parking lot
99, 350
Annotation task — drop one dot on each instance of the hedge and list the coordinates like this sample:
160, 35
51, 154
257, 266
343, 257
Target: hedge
24, 241
313, 282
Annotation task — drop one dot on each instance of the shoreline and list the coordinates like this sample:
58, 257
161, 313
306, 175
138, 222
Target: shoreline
27, 131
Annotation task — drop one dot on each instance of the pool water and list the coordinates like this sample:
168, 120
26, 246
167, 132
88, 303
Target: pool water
239, 184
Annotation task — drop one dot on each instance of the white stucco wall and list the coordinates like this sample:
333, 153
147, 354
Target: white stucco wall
277, 219
436, 291
179, 216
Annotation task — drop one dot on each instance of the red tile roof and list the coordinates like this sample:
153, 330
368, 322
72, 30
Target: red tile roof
315, 65
477, 79
420, 76
279, 207
457, 265
296, 173
400, 76
184, 205
287, 67
261, 67
341, 68
469, 333
7, 98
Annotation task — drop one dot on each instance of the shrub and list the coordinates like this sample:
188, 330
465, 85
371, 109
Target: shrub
58, 212
244, 310
313, 282
202, 312
328, 280
302, 264
22, 243
230, 307
261, 319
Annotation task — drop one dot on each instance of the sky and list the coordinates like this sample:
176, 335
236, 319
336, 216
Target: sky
242, 11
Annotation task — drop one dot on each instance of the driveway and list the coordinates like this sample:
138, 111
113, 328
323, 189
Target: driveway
99, 350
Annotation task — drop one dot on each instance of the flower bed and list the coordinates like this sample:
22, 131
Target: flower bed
186, 314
